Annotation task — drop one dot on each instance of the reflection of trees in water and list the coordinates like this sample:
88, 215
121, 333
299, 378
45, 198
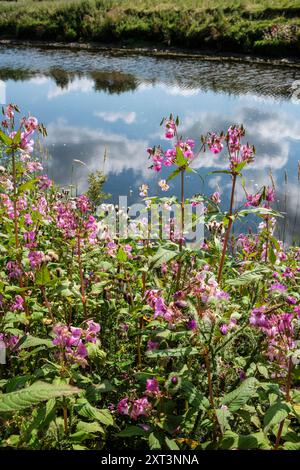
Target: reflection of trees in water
110, 82
226, 77
114, 82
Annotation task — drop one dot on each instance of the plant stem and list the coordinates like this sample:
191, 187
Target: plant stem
181, 228
47, 303
287, 397
227, 235
65, 412
16, 227
81, 277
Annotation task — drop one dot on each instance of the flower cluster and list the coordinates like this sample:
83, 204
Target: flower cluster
279, 331
72, 341
134, 408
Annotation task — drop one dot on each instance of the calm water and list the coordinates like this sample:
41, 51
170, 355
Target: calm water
94, 103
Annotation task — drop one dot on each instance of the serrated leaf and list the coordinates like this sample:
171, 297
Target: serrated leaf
131, 431
90, 427
162, 256
32, 341
30, 396
275, 414
42, 277
171, 444
239, 397
174, 352
87, 410
223, 414
194, 397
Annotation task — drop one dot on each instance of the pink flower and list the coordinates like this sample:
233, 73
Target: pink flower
18, 303
140, 408
216, 198
152, 387
35, 258
170, 128
123, 406
214, 143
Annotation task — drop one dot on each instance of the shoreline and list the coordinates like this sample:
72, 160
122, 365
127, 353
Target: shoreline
155, 50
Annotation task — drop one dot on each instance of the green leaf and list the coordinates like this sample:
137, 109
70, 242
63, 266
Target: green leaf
275, 414
171, 444
253, 441
90, 428
173, 174
227, 172
131, 431
30, 396
17, 138
121, 255
154, 442
31, 342
175, 352
223, 414
239, 397
180, 158
4, 138
162, 256
263, 370
27, 185
248, 277
87, 410
42, 277
291, 446
194, 397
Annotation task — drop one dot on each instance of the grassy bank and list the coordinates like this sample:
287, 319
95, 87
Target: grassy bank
264, 27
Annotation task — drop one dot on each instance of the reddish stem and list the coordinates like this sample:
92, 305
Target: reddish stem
82, 290
227, 235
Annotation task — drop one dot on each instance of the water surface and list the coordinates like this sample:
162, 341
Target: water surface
95, 104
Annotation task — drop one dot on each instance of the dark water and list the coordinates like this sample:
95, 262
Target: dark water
94, 103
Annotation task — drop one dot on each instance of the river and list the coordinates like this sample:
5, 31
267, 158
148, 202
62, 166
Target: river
97, 103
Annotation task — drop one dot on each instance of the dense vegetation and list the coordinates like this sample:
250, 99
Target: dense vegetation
255, 26
114, 339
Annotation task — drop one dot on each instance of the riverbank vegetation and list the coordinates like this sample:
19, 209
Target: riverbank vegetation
117, 333
263, 27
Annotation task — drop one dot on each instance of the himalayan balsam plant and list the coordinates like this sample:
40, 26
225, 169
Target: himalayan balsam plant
111, 341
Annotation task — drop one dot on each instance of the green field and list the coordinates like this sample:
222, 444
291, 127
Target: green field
264, 27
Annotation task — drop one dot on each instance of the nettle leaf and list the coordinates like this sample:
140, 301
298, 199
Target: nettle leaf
195, 398
131, 431
154, 441
275, 414
171, 444
42, 277
87, 410
90, 428
175, 352
36, 393
249, 277
31, 342
253, 441
162, 256
223, 414
239, 397
260, 211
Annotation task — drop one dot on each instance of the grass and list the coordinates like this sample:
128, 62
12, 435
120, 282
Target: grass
251, 26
